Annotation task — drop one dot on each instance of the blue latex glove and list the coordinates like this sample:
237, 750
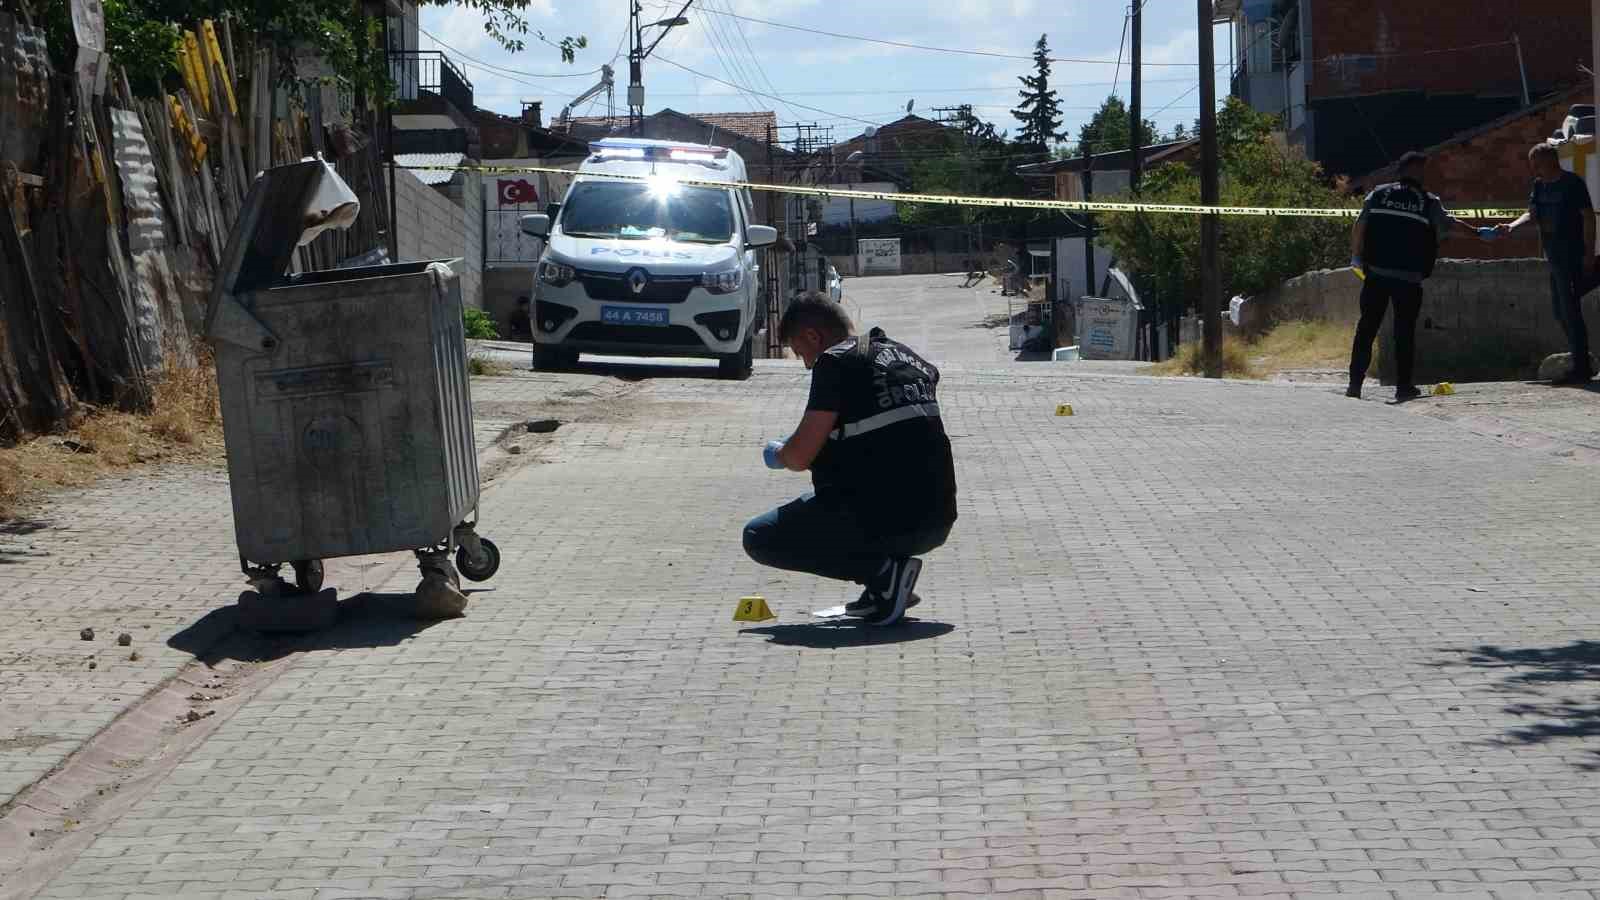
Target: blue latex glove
1488, 233
770, 454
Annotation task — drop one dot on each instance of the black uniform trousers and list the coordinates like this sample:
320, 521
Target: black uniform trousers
1376, 294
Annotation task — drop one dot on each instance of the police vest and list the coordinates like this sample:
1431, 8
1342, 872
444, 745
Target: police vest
1400, 234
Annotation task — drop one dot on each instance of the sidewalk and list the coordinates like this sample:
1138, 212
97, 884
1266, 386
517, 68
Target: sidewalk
152, 555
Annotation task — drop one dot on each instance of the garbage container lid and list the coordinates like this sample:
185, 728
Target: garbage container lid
269, 227
259, 249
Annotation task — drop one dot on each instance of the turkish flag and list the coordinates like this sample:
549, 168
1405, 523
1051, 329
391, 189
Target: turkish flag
517, 192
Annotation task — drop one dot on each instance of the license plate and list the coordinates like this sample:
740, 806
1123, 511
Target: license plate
633, 315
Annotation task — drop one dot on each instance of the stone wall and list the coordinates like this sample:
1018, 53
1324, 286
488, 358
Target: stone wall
1481, 319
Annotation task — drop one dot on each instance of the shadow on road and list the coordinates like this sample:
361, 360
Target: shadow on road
1537, 673
365, 620
19, 528
644, 371
834, 635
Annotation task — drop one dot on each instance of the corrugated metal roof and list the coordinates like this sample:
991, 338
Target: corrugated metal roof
431, 176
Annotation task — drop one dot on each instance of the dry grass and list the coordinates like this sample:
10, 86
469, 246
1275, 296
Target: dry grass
1235, 361
486, 366
1304, 345
1289, 346
184, 424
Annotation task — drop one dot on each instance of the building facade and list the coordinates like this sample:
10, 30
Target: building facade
1359, 82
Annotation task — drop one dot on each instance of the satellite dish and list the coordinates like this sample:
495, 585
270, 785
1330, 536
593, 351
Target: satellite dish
872, 131
909, 104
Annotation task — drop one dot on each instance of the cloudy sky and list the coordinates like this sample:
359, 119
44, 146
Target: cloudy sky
838, 81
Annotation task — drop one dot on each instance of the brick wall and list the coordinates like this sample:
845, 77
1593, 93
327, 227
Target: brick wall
431, 225
1490, 167
1555, 38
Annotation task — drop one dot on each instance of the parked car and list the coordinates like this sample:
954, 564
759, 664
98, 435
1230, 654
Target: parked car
650, 266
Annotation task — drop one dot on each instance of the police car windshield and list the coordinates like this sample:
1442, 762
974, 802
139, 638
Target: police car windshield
632, 210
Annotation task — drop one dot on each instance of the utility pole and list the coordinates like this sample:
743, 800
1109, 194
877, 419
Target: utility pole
1088, 223
635, 70
637, 52
1210, 277
1135, 112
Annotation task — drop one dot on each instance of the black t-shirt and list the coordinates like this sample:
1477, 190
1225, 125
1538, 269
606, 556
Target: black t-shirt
1559, 207
888, 459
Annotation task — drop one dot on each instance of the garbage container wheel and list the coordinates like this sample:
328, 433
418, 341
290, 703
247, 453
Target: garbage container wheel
307, 575
483, 572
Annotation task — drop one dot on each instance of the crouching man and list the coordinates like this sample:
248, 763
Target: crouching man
883, 479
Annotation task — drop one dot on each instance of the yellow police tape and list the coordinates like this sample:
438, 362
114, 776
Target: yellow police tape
958, 200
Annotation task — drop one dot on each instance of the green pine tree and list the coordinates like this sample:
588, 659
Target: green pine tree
1040, 112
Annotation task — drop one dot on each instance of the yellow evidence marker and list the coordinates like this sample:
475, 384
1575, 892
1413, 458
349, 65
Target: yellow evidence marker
1064, 409
753, 609
1444, 389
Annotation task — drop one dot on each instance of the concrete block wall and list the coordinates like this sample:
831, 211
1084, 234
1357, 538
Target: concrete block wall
432, 226
1480, 320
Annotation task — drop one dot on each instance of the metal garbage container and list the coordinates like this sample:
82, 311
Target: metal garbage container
346, 405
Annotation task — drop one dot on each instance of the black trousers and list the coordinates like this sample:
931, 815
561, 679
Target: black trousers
1376, 293
1568, 284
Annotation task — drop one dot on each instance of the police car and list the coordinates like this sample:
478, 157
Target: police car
650, 266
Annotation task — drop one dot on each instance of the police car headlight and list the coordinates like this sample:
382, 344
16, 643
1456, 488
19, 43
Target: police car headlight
722, 282
556, 274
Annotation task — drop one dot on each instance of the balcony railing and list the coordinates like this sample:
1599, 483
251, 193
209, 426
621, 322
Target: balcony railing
416, 71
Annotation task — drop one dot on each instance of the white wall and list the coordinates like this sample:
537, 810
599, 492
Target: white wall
1070, 252
503, 241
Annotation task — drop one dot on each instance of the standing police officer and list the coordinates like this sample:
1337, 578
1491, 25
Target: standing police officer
1395, 242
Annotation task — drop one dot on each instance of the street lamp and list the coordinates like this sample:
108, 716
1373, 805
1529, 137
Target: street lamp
636, 57
855, 245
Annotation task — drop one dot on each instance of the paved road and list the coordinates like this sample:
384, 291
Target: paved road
1199, 639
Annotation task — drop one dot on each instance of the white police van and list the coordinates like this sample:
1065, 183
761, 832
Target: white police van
650, 266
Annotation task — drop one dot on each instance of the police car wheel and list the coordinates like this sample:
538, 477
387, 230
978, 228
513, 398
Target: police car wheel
552, 359
738, 366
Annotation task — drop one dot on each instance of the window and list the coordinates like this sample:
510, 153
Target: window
649, 210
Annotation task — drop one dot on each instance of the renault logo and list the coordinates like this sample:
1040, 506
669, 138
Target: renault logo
637, 280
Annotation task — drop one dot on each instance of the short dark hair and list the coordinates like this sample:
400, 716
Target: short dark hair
1542, 150
1413, 159
814, 309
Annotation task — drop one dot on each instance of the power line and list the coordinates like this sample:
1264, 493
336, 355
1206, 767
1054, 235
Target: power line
919, 91
1069, 59
825, 112
1116, 74
724, 59
502, 69
911, 46
750, 51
